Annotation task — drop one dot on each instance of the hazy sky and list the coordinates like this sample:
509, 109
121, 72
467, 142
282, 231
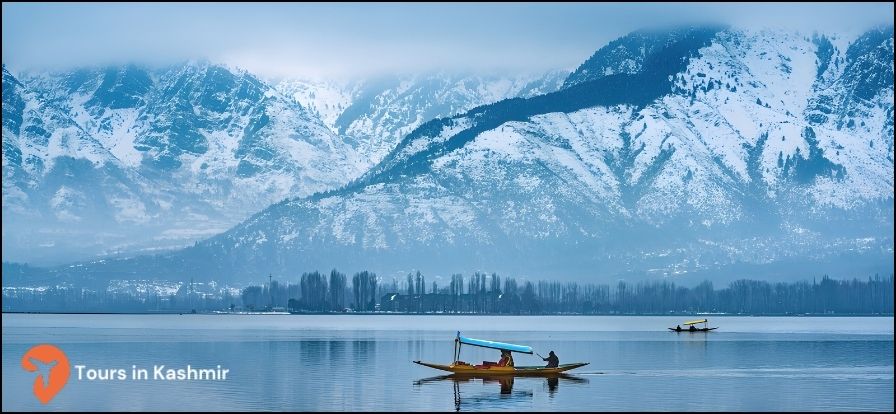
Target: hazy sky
334, 40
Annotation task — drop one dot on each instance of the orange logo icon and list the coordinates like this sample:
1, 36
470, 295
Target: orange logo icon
53, 368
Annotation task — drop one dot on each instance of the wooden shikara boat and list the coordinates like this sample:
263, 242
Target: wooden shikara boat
459, 367
695, 330
466, 369
705, 327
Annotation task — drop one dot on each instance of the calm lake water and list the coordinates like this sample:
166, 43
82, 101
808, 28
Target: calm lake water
355, 362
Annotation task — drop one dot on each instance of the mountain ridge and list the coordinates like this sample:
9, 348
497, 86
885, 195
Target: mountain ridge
707, 152
198, 146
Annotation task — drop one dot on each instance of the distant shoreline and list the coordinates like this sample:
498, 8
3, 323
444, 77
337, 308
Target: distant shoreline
714, 315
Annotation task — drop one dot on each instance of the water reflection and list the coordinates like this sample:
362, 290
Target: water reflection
291, 364
504, 388
552, 386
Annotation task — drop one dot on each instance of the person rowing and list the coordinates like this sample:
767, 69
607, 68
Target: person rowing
553, 361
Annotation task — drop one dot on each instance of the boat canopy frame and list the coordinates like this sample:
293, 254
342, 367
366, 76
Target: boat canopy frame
461, 340
705, 323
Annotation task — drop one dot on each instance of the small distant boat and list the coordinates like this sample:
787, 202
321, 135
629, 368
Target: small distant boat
693, 328
462, 368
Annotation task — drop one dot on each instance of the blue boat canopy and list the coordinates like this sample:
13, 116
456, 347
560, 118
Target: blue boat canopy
494, 345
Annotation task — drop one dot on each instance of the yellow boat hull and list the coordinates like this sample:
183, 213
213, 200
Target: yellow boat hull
495, 370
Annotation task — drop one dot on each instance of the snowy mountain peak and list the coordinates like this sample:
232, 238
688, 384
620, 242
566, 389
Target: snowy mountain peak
187, 150
375, 114
698, 153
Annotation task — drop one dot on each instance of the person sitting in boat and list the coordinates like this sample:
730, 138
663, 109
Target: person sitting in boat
553, 361
692, 328
677, 327
506, 359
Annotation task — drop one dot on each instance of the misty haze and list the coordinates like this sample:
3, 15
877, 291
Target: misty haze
667, 154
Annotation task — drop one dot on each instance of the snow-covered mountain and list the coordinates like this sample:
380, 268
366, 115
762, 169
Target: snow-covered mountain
674, 153
153, 157
163, 157
375, 114
710, 151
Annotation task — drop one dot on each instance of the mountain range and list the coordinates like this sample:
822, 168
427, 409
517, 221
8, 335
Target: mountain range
708, 152
162, 157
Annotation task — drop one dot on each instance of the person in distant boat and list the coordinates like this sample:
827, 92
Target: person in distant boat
506, 359
677, 327
553, 361
692, 328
